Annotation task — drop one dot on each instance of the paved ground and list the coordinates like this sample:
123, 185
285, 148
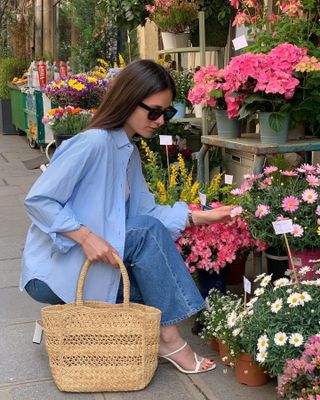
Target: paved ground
24, 372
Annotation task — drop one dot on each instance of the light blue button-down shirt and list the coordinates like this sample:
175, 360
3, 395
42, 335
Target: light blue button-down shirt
85, 184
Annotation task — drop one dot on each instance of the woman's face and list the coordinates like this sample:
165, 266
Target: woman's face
138, 121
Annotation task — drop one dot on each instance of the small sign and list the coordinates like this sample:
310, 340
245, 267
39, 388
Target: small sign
240, 42
165, 140
246, 285
203, 199
207, 304
228, 179
38, 330
297, 261
194, 155
281, 227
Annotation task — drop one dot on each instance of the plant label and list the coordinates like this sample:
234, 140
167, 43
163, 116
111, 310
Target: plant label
228, 179
246, 285
281, 227
165, 140
203, 199
38, 330
194, 155
240, 42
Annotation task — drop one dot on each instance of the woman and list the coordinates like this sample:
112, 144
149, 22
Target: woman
93, 201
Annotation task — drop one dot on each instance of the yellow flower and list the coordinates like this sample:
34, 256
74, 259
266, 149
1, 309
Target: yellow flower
194, 193
173, 176
162, 193
182, 166
149, 153
92, 79
121, 61
72, 82
318, 231
103, 62
58, 84
214, 184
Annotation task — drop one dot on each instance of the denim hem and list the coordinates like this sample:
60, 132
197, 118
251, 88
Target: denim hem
175, 321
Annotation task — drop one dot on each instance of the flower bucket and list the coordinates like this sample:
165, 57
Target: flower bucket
277, 265
267, 134
227, 127
59, 138
174, 40
304, 259
197, 108
226, 359
214, 344
248, 372
236, 271
181, 110
208, 280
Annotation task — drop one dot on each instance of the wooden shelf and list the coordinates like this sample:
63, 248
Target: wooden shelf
188, 50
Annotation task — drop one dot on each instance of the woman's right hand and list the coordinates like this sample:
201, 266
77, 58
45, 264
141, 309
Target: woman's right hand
97, 249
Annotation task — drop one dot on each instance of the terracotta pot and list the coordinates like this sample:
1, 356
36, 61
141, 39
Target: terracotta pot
236, 271
224, 354
248, 372
214, 344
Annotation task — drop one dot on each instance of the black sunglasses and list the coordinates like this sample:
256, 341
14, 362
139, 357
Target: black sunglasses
155, 113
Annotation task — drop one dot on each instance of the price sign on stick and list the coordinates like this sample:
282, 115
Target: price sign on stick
228, 179
240, 42
203, 199
166, 140
247, 288
282, 228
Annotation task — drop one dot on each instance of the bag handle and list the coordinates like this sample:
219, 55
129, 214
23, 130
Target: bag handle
125, 278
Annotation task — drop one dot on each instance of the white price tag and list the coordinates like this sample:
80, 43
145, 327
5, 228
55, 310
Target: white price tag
297, 261
247, 285
38, 330
165, 140
207, 304
228, 179
203, 199
240, 42
281, 227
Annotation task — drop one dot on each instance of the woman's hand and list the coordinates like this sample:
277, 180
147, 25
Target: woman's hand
220, 214
95, 248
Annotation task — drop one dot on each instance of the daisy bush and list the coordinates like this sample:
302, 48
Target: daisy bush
276, 195
301, 377
283, 316
82, 90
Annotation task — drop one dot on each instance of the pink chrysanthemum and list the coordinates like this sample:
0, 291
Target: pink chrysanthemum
289, 173
306, 168
290, 203
281, 218
309, 196
312, 180
318, 210
297, 230
237, 192
269, 170
262, 210
236, 211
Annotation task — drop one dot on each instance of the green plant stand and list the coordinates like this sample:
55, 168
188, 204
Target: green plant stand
18, 104
34, 113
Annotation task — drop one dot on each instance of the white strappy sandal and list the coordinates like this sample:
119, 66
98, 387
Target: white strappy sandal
197, 369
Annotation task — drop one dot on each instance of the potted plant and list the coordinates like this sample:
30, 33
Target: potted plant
284, 314
183, 83
300, 377
83, 90
174, 18
208, 90
281, 194
265, 84
9, 68
67, 122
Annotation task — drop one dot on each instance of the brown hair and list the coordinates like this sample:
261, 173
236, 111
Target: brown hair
139, 80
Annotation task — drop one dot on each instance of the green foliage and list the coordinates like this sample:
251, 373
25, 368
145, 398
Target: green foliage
125, 13
178, 18
72, 124
184, 82
9, 68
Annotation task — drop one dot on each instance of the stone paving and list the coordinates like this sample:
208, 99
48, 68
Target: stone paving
24, 371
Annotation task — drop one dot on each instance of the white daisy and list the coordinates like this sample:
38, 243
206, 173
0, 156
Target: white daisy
265, 281
236, 332
305, 297
261, 357
258, 292
296, 339
280, 338
304, 270
231, 319
251, 302
294, 300
259, 277
281, 282
263, 343
276, 306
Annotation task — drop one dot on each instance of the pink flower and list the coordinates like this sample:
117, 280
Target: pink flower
306, 168
309, 196
241, 18
262, 210
297, 230
236, 212
269, 170
289, 173
235, 4
237, 192
293, 8
290, 203
312, 180
318, 210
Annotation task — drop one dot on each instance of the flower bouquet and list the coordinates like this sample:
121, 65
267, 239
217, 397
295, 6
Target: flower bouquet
300, 379
276, 195
183, 83
175, 16
67, 121
284, 315
82, 90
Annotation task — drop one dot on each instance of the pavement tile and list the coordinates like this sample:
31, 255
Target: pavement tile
11, 247
9, 273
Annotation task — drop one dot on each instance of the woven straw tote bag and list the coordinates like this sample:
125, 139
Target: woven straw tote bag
95, 346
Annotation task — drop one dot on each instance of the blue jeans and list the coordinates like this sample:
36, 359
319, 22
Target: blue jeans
158, 274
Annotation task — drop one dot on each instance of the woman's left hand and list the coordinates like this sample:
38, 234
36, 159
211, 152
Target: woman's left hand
220, 214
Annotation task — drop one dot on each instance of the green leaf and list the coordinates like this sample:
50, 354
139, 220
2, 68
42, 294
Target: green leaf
277, 121
217, 93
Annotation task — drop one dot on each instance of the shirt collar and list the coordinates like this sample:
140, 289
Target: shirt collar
120, 137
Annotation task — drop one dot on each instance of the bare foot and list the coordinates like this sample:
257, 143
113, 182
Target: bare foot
185, 358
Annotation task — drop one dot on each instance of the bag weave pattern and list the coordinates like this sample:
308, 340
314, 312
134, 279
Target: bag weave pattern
95, 346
